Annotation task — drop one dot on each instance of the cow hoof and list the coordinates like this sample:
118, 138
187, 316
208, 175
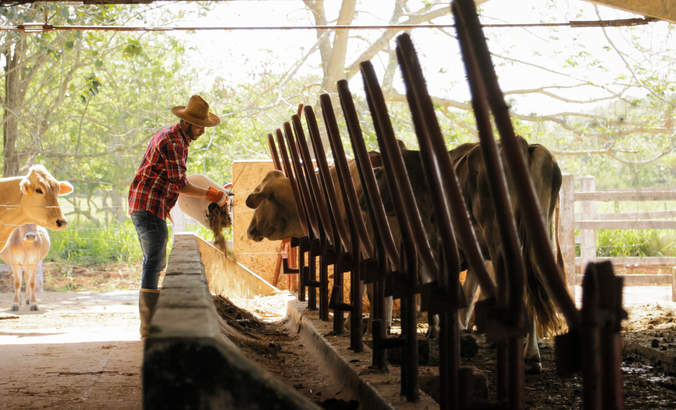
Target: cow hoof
431, 335
34, 308
468, 346
533, 366
15, 308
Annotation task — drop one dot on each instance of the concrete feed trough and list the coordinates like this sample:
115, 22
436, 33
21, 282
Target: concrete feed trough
190, 361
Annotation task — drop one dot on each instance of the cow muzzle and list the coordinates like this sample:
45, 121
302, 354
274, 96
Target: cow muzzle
253, 234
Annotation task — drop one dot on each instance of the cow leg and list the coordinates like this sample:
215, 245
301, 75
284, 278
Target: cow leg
387, 307
30, 274
432, 325
469, 289
531, 351
368, 291
16, 271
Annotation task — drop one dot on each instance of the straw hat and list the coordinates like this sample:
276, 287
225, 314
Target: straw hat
196, 112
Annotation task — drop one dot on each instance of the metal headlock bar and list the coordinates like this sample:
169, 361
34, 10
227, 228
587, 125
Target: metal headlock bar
405, 265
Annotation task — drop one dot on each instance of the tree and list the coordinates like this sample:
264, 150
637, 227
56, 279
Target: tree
85, 103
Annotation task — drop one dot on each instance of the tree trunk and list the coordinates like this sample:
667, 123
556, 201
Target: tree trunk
12, 106
335, 68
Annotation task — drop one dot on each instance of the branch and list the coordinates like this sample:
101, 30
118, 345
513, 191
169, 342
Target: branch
626, 63
417, 17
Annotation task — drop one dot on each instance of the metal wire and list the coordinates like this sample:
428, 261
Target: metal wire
38, 27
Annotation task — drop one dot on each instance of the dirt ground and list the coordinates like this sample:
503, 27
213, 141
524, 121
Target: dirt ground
648, 368
82, 350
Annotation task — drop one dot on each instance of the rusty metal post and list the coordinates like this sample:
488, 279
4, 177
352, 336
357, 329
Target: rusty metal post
387, 259
299, 243
301, 272
514, 264
361, 248
591, 341
308, 273
273, 152
486, 82
610, 300
325, 225
341, 240
416, 247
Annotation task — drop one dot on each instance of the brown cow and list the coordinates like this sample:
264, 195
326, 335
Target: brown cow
31, 199
473, 179
276, 215
26, 248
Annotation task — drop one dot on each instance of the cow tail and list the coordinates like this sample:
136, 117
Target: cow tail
541, 305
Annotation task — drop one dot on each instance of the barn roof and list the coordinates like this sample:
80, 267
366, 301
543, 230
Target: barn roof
661, 9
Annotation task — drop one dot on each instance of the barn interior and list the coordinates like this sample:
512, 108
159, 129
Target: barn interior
211, 333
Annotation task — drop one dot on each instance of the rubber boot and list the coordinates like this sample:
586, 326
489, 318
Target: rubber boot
146, 308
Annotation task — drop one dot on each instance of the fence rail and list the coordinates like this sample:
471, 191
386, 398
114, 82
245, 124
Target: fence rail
588, 222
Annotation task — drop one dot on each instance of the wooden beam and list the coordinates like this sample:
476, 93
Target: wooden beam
661, 9
666, 194
624, 224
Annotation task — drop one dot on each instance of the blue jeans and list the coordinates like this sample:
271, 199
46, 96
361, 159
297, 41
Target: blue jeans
152, 234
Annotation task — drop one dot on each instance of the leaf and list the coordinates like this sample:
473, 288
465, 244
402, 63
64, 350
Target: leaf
132, 49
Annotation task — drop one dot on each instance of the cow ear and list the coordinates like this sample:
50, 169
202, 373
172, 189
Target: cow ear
375, 159
255, 199
24, 186
65, 188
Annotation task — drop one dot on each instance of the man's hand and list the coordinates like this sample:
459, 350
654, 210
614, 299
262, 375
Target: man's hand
217, 196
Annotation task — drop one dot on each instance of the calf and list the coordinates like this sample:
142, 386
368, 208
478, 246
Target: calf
26, 247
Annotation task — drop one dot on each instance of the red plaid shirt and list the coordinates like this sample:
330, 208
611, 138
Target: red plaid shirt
161, 174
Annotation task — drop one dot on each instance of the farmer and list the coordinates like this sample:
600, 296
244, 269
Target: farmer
154, 191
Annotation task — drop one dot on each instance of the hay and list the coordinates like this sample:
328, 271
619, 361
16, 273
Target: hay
219, 218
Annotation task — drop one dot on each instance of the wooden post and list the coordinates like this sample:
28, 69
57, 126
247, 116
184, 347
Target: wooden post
588, 236
673, 283
566, 229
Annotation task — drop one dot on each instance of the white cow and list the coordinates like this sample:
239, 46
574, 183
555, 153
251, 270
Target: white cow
31, 199
26, 248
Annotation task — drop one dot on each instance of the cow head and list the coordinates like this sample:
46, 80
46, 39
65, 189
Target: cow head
39, 198
276, 215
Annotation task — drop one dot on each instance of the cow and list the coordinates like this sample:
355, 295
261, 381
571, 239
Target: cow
32, 198
467, 160
276, 217
26, 248
276, 212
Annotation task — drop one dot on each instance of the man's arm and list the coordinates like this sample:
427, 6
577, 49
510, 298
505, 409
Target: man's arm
212, 194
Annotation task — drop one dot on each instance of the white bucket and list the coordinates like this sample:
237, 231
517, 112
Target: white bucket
197, 208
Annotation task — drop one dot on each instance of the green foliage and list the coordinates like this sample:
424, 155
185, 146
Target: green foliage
90, 244
634, 242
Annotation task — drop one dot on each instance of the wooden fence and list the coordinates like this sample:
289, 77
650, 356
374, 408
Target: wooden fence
588, 222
